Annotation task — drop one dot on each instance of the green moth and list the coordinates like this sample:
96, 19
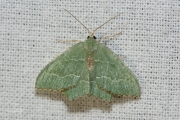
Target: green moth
89, 68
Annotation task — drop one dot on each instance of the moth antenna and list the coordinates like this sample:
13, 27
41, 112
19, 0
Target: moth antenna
103, 24
78, 21
110, 36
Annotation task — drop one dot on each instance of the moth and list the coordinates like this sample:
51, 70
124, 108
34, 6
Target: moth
89, 68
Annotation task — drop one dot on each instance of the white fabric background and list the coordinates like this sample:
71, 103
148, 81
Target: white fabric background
150, 40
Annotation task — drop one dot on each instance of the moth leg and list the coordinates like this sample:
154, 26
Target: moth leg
110, 36
121, 56
57, 55
69, 41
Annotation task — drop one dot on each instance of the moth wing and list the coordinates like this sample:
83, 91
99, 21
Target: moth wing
65, 71
112, 75
82, 87
95, 90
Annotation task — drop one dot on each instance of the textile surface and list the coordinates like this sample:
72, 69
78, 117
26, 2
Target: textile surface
30, 31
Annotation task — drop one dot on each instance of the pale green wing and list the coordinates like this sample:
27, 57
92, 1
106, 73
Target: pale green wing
112, 75
95, 90
83, 86
65, 71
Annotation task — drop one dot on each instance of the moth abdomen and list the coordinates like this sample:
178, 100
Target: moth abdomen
90, 63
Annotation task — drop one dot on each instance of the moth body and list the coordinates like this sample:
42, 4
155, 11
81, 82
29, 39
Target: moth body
88, 68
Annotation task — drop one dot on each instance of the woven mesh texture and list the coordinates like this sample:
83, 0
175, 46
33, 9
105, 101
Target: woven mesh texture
150, 41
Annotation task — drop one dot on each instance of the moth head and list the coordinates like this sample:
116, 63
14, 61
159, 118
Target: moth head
93, 37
